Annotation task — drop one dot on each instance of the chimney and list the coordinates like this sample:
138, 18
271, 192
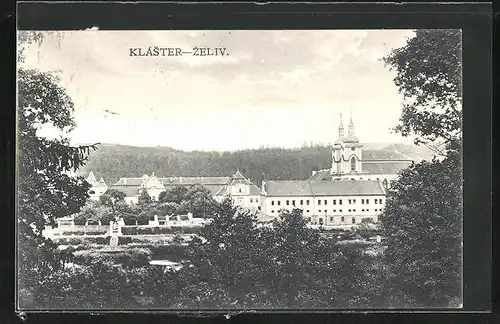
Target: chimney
124, 181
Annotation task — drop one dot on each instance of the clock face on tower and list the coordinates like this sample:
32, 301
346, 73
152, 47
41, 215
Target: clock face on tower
353, 148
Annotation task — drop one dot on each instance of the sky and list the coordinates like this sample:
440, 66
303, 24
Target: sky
273, 89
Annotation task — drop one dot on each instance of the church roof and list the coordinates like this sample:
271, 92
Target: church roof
385, 167
320, 175
383, 155
350, 138
323, 188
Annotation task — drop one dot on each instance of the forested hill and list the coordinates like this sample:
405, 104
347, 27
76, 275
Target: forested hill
115, 161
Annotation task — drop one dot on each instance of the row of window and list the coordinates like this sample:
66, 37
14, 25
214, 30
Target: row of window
342, 219
340, 210
256, 200
325, 202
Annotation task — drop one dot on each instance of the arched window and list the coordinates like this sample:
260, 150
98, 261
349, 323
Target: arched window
353, 164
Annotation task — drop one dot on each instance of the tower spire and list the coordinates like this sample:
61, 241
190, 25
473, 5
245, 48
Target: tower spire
351, 125
341, 127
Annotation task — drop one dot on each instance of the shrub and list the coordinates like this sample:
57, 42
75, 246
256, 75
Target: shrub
124, 240
129, 220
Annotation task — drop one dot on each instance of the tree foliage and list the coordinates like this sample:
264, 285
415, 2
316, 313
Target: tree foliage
174, 195
46, 190
112, 198
423, 226
423, 216
429, 76
144, 198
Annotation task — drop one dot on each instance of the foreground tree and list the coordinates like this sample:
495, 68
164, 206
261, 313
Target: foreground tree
226, 257
422, 223
423, 216
46, 190
429, 76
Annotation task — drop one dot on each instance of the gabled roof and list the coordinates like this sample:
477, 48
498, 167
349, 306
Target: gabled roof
254, 190
323, 188
238, 175
91, 177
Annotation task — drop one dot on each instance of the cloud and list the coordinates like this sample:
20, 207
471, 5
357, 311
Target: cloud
300, 77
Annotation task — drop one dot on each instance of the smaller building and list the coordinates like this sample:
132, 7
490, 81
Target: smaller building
241, 190
98, 187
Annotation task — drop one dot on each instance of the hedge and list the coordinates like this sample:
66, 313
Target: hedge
83, 240
132, 258
83, 233
134, 230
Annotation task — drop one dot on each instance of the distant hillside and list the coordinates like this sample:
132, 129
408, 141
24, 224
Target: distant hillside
115, 161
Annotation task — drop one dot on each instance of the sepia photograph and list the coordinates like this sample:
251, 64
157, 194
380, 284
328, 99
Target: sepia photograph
179, 170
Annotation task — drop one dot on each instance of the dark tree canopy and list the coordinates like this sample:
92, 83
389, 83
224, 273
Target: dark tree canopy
429, 76
174, 195
111, 198
423, 216
144, 198
423, 226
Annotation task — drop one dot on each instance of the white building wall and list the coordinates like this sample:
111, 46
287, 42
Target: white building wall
328, 210
154, 193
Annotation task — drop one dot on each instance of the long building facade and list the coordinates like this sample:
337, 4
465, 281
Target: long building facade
325, 202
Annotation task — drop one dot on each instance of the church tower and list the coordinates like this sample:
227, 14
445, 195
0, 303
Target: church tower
346, 152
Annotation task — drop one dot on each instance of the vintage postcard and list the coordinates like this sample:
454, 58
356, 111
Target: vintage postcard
239, 169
